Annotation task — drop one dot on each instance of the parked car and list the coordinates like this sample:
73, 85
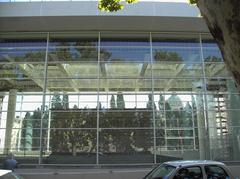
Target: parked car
195, 169
8, 174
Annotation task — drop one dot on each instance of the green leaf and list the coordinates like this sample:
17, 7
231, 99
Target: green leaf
193, 1
110, 5
131, 1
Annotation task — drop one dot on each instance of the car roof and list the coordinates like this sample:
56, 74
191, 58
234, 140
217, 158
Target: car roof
183, 163
3, 172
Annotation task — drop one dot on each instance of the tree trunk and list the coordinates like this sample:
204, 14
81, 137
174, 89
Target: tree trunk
223, 20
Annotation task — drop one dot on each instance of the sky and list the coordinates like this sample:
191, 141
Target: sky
182, 1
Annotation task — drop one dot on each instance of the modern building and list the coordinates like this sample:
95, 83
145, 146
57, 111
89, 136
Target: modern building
139, 86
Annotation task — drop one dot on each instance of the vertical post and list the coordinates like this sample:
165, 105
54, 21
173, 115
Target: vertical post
10, 119
43, 101
49, 127
205, 105
20, 130
98, 84
193, 122
153, 103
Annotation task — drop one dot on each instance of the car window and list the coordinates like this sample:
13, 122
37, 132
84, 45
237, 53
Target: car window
194, 172
215, 172
160, 172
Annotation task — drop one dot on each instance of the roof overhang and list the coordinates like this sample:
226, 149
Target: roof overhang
84, 15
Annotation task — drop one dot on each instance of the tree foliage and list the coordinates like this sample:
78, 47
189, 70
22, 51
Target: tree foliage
112, 102
120, 101
160, 55
116, 5
113, 5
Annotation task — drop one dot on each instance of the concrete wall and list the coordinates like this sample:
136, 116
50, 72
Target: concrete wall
132, 173
84, 15
83, 173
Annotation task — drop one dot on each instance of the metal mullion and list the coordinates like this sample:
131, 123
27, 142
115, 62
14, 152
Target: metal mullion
205, 103
44, 99
98, 85
153, 103
193, 122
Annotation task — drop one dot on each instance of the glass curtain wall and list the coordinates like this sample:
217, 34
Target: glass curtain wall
111, 98
22, 64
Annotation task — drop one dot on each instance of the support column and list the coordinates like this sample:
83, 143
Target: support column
1, 104
201, 127
10, 119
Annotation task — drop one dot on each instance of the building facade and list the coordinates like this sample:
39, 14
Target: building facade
141, 86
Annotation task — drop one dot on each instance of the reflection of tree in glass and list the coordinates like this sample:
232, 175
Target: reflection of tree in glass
68, 135
160, 55
33, 56
65, 102
112, 102
31, 129
150, 103
88, 51
120, 101
213, 59
142, 138
160, 122
63, 51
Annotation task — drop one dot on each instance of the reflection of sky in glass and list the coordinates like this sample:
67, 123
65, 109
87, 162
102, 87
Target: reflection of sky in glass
211, 49
118, 50
124, 44
188, 51
128, 54
20, 49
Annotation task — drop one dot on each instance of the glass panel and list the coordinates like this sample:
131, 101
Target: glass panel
71, 146
125, 146
125, 70
24, 143
72, 70
125, 100
176, 47
216, 70
73, 47
70, 85
23, 47
126, 118
178, 84
176, 69
125, 39
125, 84
211, 52
80, 115
223, 130
21, 70
125, 47
178, 120
124, 54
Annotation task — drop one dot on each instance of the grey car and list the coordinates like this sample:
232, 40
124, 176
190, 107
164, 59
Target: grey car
8, 174
194, 169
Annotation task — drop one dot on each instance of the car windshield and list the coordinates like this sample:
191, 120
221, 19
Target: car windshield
160, 172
